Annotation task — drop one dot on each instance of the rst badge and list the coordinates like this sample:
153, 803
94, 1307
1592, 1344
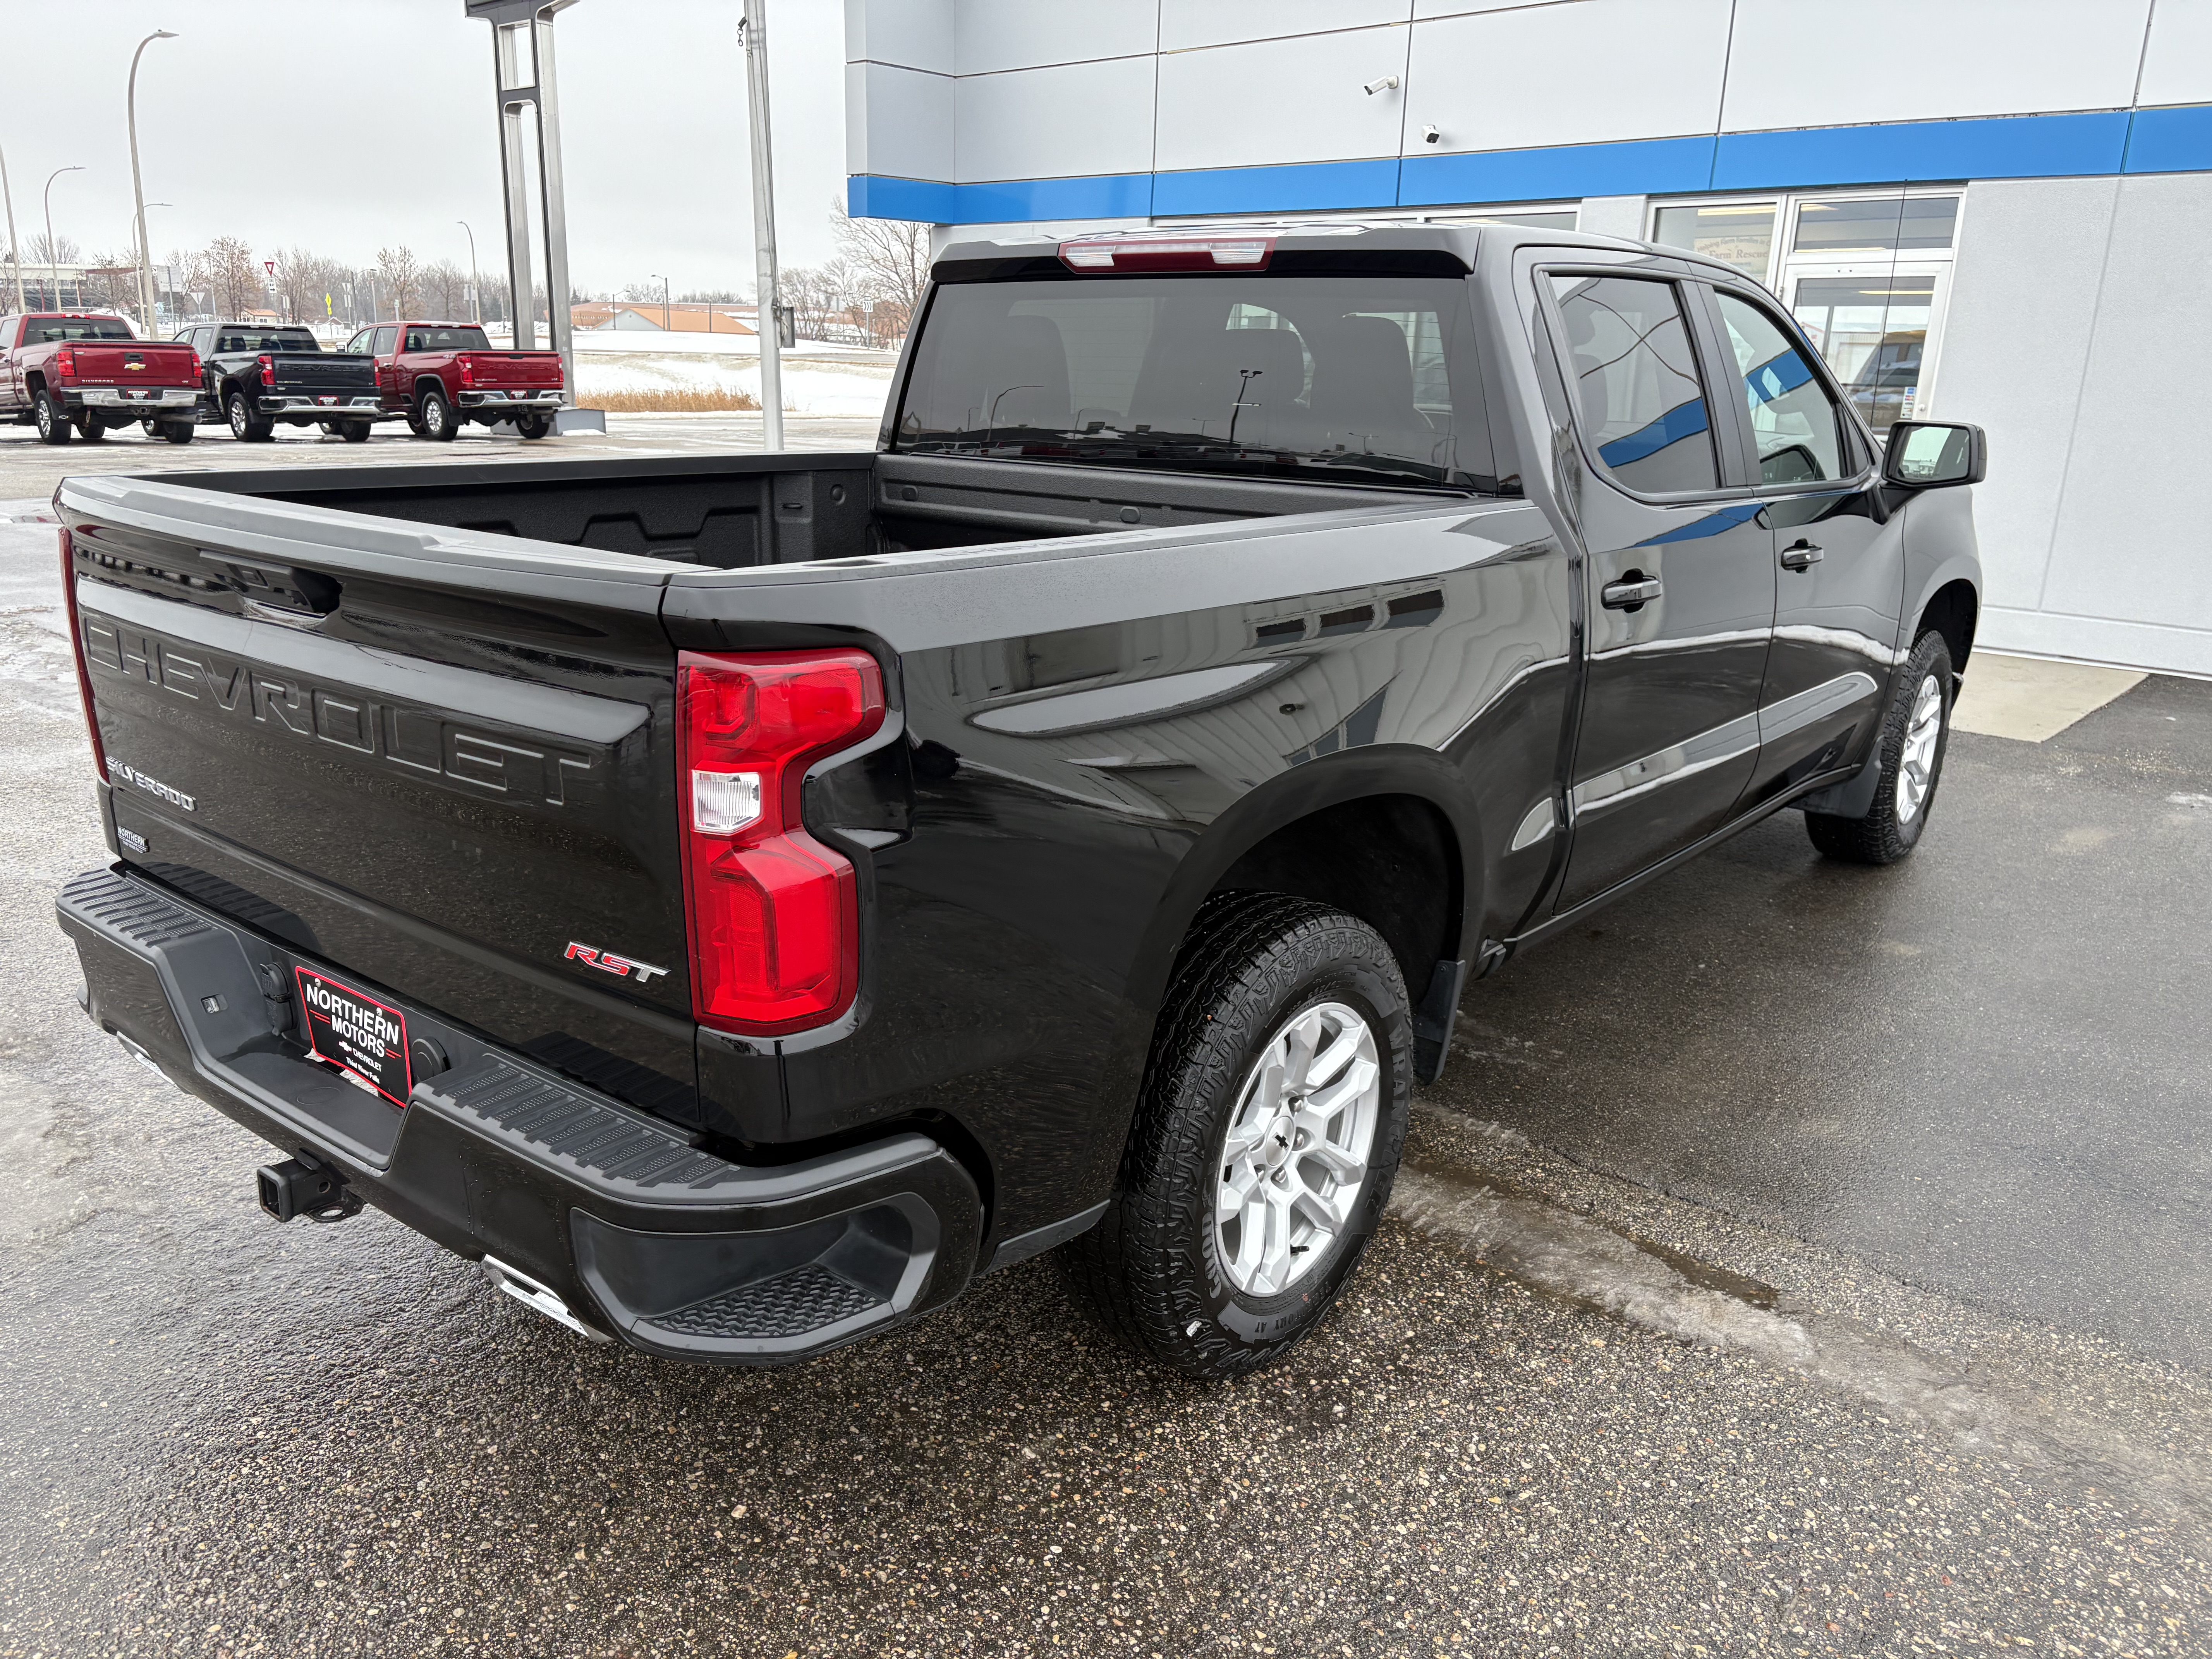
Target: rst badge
608, 963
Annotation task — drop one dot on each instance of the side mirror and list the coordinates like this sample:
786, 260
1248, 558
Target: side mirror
1928, 454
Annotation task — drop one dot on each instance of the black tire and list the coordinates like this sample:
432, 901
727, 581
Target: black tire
354, 432
177, 432
436, 418
533, 427
243, 426
51, 418
93, 429
1155, 1268
1894, 824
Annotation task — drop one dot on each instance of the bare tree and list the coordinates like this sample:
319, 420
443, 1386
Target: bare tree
303, 278
889, 262
446, 290
814, 293
234, 275
400, 278
62, 251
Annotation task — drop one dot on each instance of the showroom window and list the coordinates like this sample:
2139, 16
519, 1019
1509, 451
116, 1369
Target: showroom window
1865, 273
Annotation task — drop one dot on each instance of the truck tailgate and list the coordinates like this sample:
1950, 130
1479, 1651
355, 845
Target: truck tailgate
434, 759
136, 362
506, 369
323, 371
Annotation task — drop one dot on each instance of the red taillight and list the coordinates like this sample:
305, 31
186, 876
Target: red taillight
467, 365
65, 362
197, 370
775, 915
76, 644
1216, 252
560, 374
267, 369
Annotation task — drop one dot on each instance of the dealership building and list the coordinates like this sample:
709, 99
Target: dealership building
1987, 210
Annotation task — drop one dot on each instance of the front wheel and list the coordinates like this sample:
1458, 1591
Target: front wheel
93, 429
177, 432
1915, 730
533, 426
1267, 1138
436, 418
354, 432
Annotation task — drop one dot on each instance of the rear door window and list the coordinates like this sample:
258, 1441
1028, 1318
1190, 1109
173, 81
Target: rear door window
1796, 424
1635, 381
386, 338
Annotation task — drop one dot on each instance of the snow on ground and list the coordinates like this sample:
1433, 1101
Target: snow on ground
816, 387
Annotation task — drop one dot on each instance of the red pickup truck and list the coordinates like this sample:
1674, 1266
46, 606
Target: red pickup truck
442, 375
72, 373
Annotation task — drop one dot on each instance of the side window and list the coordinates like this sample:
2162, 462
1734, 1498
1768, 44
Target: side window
384, 339
1794, 420
1635, 381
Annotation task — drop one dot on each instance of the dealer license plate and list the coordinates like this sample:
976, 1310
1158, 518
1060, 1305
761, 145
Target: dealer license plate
362, 1037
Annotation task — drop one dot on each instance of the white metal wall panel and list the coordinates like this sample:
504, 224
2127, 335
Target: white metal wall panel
1009, 34
1514, 80
1186, 24
913, 34
2015, 343
2130, 544
1794, 65
899, 122
2178, 63
1455, 8
1057, 123
1234, 106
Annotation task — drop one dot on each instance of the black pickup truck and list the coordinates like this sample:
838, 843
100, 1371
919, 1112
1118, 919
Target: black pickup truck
258, 376
740, 901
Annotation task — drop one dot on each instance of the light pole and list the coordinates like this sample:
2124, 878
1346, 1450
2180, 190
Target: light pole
53, 262
476, 293
14, 253
138, 190
151, 295
664, 300
754, 29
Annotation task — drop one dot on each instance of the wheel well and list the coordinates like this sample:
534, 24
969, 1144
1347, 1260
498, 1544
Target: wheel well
428, 383
1952, 613
35, 384
1391, 860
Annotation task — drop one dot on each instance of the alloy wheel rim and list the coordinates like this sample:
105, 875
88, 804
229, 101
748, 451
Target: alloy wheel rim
1916, 761
1294, 1157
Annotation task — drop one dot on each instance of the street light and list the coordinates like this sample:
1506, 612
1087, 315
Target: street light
151, 321
665, 327
14, 253
138, 190
476, 293
53, 263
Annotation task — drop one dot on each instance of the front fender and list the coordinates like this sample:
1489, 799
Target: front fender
1941, 547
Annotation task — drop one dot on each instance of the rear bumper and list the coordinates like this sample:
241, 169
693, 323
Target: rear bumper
641, 1233
348, 406
167, 399
504, 401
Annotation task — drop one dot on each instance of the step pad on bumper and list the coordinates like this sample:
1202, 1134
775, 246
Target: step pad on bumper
595, 1135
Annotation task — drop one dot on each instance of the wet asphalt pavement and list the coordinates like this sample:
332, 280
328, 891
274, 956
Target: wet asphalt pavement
1811, 1263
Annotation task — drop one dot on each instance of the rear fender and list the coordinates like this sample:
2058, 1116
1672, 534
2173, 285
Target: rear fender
1330, 780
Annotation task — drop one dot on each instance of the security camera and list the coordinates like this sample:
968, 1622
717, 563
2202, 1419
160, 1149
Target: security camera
1430, 136
1387, 83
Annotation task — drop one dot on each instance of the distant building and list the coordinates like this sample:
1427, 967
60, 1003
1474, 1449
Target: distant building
682, 317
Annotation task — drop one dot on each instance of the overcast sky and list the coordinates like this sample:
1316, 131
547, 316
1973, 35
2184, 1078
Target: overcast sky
347, 125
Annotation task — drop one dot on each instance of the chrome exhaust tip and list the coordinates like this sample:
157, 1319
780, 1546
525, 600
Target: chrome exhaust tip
532, 1294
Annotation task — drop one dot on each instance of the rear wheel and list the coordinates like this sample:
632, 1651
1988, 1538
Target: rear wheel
438, 421
51, 418
1267, 1136
243, 426
1915, 730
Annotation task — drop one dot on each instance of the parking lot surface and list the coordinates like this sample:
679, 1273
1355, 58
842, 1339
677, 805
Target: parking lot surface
1801, 1260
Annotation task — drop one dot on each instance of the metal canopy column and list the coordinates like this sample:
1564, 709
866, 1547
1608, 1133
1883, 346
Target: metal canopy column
522, 78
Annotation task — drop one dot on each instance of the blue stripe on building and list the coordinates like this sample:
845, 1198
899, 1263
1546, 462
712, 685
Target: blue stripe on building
2173, 139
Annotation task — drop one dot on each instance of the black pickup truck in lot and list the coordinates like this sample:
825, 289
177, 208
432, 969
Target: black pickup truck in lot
741, 901
259, 377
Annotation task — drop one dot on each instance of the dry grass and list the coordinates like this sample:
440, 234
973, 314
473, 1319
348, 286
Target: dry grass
670, 402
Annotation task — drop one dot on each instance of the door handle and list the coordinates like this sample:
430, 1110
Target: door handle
1630, 595
1800, 555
